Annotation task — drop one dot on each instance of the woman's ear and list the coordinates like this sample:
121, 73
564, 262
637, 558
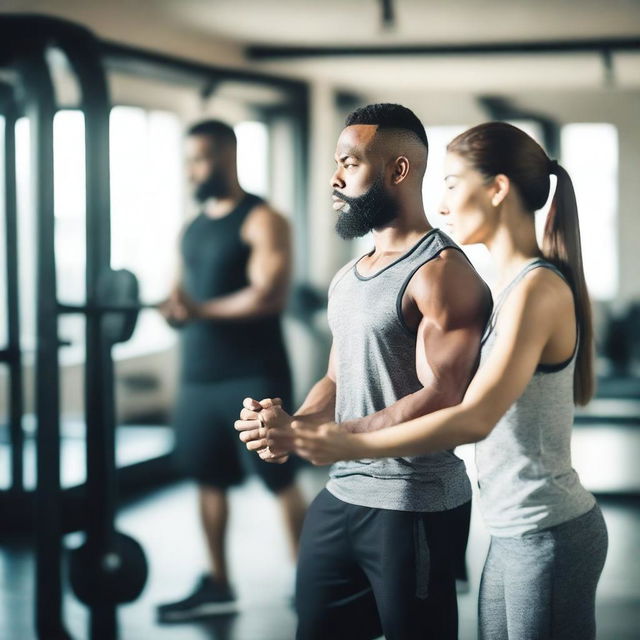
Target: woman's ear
501, 186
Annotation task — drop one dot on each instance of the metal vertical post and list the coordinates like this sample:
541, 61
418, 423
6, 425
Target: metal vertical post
14, 359
40, 108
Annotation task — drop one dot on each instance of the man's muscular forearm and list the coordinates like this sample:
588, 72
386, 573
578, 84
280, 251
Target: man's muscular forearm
429, 398
320, 404
243, 304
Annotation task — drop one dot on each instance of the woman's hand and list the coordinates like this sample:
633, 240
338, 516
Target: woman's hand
327, 443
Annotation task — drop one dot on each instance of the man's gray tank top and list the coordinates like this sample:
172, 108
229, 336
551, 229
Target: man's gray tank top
375, 360
524, 466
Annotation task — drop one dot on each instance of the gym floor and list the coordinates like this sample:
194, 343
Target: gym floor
165, 523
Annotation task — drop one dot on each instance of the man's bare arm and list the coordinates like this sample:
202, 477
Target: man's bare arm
450, 304
268, 271
320, 404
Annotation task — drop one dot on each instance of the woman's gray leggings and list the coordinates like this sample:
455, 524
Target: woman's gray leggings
542, 586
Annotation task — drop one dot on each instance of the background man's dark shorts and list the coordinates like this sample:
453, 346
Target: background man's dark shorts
207, 446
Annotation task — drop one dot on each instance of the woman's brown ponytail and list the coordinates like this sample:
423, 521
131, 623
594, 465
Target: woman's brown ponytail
499, 148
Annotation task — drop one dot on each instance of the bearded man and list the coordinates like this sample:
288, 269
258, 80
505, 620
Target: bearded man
380, 543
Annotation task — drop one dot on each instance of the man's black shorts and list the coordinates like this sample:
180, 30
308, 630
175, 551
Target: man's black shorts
366, 572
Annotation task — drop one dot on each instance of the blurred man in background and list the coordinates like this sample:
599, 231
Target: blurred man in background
235, 258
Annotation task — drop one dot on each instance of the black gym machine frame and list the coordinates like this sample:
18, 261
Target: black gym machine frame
101, 568
109, 568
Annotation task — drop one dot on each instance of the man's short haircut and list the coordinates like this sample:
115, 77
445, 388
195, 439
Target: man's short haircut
216, 129
389, 116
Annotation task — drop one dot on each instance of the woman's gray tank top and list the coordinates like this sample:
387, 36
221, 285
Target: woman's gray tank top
525, 475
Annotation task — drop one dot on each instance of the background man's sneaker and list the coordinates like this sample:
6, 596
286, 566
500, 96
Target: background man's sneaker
210, 598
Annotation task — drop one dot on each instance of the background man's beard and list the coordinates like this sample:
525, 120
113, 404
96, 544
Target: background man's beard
215, 186
371, 210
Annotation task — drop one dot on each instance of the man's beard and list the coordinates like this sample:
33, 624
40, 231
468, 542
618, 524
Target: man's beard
360, 215
215, 186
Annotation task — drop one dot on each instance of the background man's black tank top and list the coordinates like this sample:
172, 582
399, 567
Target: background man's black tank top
215, 264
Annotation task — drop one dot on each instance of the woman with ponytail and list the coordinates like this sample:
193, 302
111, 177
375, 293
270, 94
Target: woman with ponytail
548, 537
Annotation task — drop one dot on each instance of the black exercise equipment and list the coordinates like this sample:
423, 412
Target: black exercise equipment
12, 355
35, 91
119, 288
117, 576
118, 305
110, 568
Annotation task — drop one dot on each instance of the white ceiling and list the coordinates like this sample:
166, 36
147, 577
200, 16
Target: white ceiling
347, 23
451, 73
358, 22
216, 31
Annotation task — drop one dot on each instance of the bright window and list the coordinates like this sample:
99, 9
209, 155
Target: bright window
146, 210
69, 204
253, 143
433, 185
146, 213
146, 195
590, 155
26, 238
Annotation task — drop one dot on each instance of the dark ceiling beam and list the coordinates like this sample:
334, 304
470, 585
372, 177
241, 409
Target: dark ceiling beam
152, 64
591, 45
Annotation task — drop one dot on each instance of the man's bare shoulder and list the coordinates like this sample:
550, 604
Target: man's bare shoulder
449, 269
449, 284
264, 219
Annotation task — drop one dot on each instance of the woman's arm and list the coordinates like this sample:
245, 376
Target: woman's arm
527, 321
449, 327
